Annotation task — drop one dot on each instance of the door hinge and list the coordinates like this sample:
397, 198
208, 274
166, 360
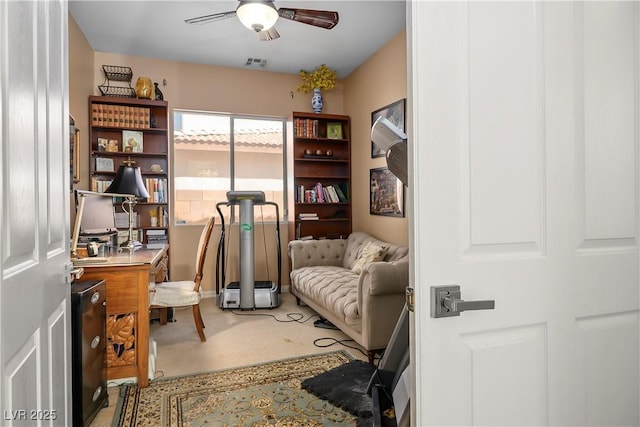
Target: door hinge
409, 298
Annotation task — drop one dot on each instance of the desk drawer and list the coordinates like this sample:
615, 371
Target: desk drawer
122, 291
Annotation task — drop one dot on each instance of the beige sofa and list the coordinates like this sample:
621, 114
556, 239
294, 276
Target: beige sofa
365, 305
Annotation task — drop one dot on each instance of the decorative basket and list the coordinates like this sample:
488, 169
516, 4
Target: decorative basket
118, 73
123, 92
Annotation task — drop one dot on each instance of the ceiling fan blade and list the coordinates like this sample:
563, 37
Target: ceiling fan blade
205, 19
318, 18
269, 34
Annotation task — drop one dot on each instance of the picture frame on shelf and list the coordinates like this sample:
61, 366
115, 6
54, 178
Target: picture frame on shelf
386, 193
112, 145
334, 130
102, 144
104, 164
132, 141
395, 113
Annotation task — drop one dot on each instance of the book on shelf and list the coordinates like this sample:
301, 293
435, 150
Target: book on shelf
161, 215
107, 115
155, 245
100, 185
156, 238
319, 193
339, 193
307, 216
306, 128
342, 190
157, 189
122, 219
333, 193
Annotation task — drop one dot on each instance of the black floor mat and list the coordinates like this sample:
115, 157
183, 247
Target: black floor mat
346, 387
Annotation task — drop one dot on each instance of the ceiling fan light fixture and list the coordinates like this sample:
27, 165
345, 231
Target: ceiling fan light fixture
257, 15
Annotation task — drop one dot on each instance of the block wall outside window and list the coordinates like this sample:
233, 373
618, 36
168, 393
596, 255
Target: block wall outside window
209, 159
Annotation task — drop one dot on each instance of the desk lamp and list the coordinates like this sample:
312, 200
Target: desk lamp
128, 180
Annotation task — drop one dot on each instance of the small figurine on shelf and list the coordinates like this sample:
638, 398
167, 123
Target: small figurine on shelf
159, 95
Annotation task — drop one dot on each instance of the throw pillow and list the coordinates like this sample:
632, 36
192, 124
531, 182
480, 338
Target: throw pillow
371, 252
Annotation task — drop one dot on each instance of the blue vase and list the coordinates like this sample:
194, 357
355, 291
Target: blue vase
316, 101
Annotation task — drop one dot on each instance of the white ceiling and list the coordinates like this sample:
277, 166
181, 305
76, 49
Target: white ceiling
157, 29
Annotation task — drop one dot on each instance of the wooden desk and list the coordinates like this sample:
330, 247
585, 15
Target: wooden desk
128, 276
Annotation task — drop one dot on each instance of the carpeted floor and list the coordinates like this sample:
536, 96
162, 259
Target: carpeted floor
267, 394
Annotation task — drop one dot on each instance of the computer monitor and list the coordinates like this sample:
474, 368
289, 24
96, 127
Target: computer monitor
98, 216
95, 216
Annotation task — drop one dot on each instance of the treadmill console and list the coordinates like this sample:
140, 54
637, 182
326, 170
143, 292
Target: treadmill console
234, 197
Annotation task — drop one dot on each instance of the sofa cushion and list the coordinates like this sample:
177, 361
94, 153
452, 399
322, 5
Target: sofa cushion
334, 287
371, 252
358, 239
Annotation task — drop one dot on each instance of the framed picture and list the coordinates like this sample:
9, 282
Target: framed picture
74, 148
387, 193
104, 164
395, 114
132, 141
334, 130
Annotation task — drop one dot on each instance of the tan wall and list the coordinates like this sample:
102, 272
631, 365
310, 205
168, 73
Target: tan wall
221, 89
378, 82
80, 85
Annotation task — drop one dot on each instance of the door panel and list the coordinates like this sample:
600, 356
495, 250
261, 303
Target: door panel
492, 389
34, 295
502, 199
609, 365
606, 118
525, 190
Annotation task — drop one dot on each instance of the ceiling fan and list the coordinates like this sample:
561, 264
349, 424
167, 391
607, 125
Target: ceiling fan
261, 15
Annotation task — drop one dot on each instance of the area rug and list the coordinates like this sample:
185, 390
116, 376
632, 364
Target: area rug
346, 387
262, 395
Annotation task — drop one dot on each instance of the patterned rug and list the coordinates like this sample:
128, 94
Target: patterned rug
262, 395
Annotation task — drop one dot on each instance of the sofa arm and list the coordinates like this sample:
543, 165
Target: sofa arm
381, 297
308, 253
384, 278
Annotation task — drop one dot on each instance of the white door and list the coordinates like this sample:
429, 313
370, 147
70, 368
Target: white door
525, 191
34, 189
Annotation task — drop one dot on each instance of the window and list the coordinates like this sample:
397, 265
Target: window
214, 153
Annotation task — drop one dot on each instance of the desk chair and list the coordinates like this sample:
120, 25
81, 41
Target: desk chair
186, 293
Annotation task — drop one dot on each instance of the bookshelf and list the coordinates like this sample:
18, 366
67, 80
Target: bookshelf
136, 129
321, 176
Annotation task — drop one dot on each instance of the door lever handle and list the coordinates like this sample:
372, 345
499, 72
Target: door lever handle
446, 302
455, 304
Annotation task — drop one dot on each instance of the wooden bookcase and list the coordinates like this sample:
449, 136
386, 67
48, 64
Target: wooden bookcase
321, 162
114, 121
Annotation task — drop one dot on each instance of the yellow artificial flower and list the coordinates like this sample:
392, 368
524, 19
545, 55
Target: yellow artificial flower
321, 78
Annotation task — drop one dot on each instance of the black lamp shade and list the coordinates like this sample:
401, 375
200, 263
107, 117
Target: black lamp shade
128, 180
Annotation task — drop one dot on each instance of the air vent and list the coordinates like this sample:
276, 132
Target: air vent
255, 63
